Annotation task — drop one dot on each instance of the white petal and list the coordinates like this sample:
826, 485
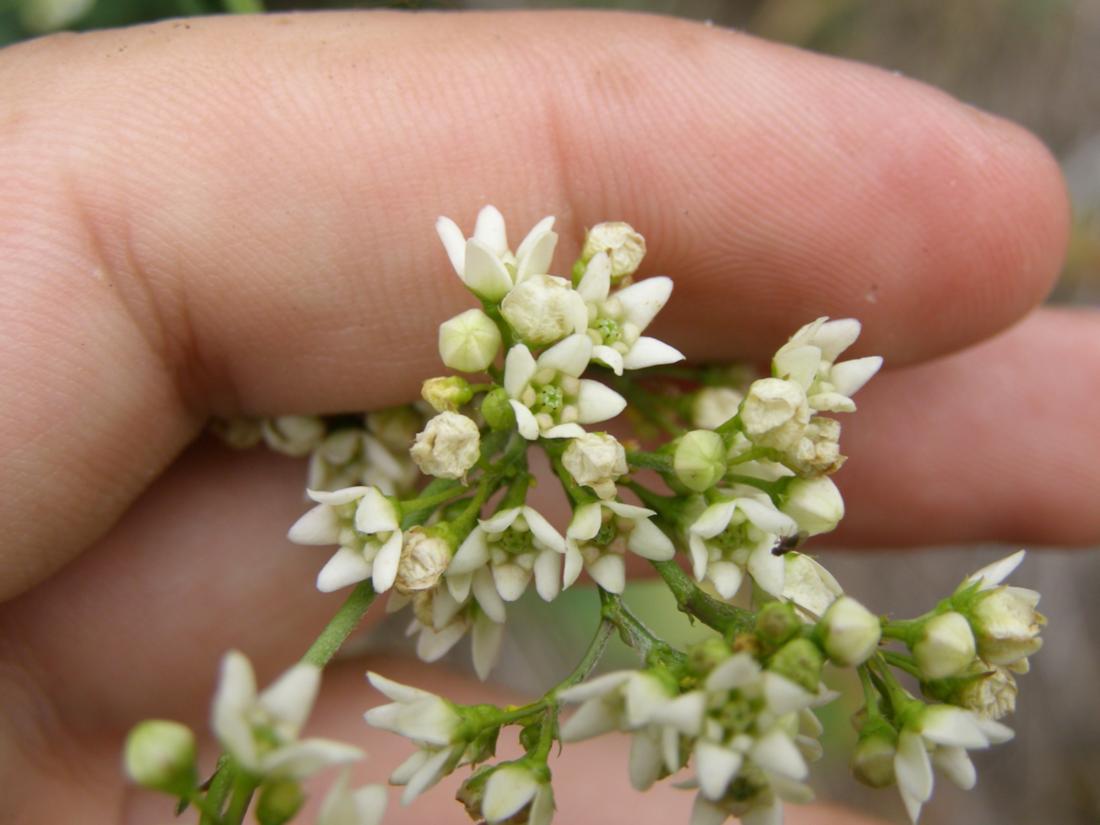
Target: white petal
545, 225
770, 815
599, 686
519, 369
396, 691
485, 591
301, 759
486, 639
726, 576
569, 356
511, 580
783, 696
912, 805
767, 570
586, 522
706, 813
336, 497
526, 424
849, 376
833, 337
650, 542
596, 281
321, 525
564, 431
996, 732
489, 230
956, 765
715, 767
683, 714
454, 241
574, 564
798, 364
426, 775
993, 574
375, 513
776, 753
370, 805
699, 556
947, 725
536, 258
609, 572
444, 608
407, 769
912, 767
608, 357
766, 517
432, 646
714, 519
649, 352
290, 697
548, 574
630, 511
384, 570
643, 300
670, 748
736, 672
509, 788
541, 811
471, 554
831, 402
645, 761
234, 697
501, 520
345, 567
593, 718
543, 531
459, 586
644, 695
596, 402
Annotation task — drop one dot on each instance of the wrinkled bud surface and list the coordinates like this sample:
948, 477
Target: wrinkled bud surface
775, 413
447, 393
596, 460
544, 309
448, 446
624, 246
1007, 625
700, 460
469, 342
424, 558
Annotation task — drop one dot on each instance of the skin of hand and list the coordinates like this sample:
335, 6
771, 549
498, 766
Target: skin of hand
226, 216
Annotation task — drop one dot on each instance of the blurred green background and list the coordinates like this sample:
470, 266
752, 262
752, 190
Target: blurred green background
1034, 61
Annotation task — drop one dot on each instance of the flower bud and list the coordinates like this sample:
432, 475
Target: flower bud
816, 505
623, 246
294, 435
446, 394
279, 802
469, 342
448, 446
945, 646
714, 406
808, 585
596, 460
708, 654
873, 757
497, 410
544, 309
700, 460
849, 632
775, 413
160, 755
1006, 624
424, 557
799, 660
395, 427
776, 623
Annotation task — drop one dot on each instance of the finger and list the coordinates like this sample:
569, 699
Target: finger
256, 234
996, 443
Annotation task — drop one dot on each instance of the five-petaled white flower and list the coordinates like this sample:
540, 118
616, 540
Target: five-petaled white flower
600, 534
809, 359
260, 731
548, 395
366, 526
485, 263
617, 320
736, 535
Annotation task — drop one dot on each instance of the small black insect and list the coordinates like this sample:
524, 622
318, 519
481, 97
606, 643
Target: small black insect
786, 544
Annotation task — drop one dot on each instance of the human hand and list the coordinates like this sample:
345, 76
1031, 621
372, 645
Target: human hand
234, 216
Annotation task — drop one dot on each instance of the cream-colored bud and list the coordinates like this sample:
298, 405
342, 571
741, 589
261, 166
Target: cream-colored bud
161, 755
424, 557
596, 460
295, 435
816, 504
700, 460
945, 646
850, 632
623, 245
873, 760
446, 393
544, 309
469, 342
775, 413
449, 445
714, 406
1007, 625
993, 696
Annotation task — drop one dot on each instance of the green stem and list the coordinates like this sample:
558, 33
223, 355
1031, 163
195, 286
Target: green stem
220, 784
772, 488
901, 662
341, 625
640, 459
870, 694
243, 788
588, 661
899, 697
635, 633
554, 450
723, 617
666, 506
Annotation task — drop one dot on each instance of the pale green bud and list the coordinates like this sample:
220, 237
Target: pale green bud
497, 410
945, 646
700, 460
279, 802
799, 660
816, 504
160, 755
446, 394
623, 245
850, 633
873, 757
776, 623
469, 342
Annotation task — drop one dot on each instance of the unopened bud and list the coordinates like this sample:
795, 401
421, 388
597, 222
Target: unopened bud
873, 757
469, 342
816, 504
945, 646
624, 246
799, 660
849, 632
279, 801
776, 623
775, 413
449, 445
708, 654
424, 557
160, 755
544, 309
446, 394
700, 460
596, 460
497, 411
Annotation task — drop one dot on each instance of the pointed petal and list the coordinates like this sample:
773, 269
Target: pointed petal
510, 580
574, 563
609, 357
320, 525
993, 574
290, 697
670, 748
486, 639
548, 574
234, 697
776, 753
544, 225
833, 337
384, 568
544, 532
596, 281
727, 578
683, 714
407, 769
485, 591
649, 352
454, 241
996, 732
599, 686
508, 789
783, 696
500, 520
489, 230
714, 519
431, 646
596, 402
459, 586
346, 567
536, 258
767, 570
375, 513
645, 760
766, 517
301, 759
948, 725
519, 369
541, 811
956, 766
444, 608
564, 431
912, 767
849, 376
342, 496
649, 541
630, 511
609, 572
471, 554
715, 767
593, 718
644, 695
395, 691
706, 813
569, 356
798, 364
485, 275
643, 300
430, 772
525, 421
586, 522
370, 805
736, 672
699, 556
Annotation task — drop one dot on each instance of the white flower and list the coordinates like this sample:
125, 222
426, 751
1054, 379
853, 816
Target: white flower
775, 413
808, 586
809, 359
596, 460
469, 342
484, 262
736, 535
616, 321
714, 406
424, 558
850, 632
366, 526
622, 700
815, 504
619, 243
343, 806
601, 533
548, 395
1005, 622
945, 646
294, 435
260, 731
515, 543
544, 309
448, 446
940, 735
514, 794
